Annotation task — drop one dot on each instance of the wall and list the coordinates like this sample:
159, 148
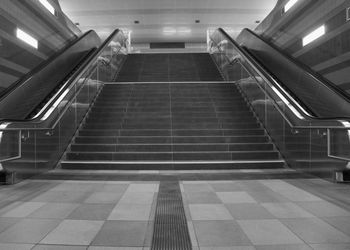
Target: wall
52, 31
328, 55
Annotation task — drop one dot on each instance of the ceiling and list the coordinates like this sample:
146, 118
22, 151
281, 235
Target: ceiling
166, 20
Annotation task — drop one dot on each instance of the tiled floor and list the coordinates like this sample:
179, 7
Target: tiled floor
222, 215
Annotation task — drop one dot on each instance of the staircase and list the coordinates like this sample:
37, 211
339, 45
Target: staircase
171, 125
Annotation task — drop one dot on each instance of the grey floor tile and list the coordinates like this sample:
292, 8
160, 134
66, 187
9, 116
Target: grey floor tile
4, 246
200, 187
323, 209
248, 211
7, 222
286, 210
264, 232
59, 247
63, 196
229, 248
114, 188
284, 247
91, 212
131, 212
73, 232
115, 248
220, 234
104, 197
341, 223
143, 187
330, 246
28, 231
137, 198
121, 234
54, 211
235, 197
201, 197
226, 187
267, 196
24, 209
314, 230
209, 212
78, 186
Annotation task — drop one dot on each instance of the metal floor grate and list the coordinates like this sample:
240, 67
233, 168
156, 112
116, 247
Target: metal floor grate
170, 224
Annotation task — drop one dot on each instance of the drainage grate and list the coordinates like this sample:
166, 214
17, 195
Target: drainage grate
170, 224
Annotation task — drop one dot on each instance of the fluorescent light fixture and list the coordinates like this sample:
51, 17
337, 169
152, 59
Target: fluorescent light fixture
320, 31
184, 30
169, 31
48, 6
25, 37
289, 5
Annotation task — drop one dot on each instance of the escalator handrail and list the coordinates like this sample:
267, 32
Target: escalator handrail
38, 123
307, 121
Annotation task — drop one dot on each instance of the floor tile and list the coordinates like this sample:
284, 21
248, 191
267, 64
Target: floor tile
284, 247
263, 232
267, 196
135, 187
200, 187
131, 212
24, 209
226, 187
330, 246
59, 247
54, 211
314, 230
286, 210
28, 231
91, 212
137, 198
115, 248
78, 186
104, 197
201, 197
121, 234
341, 223
248, 211
229, 248
63, 196
220, 234
115, 188
323, 209
4, 246
209, 212
73, 232
235, 197
7, 222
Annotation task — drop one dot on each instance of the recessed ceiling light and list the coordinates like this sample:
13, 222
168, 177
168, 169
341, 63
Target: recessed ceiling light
25, 37
320, 31
48, 6
184, 30
136, 21
169, 31
197, 21
289, 5
257, 21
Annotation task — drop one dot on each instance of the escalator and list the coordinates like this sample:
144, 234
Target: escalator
244, 107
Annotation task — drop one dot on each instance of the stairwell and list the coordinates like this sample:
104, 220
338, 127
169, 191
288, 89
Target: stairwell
175, 121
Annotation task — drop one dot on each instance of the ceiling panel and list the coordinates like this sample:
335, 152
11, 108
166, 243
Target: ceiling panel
156, 16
